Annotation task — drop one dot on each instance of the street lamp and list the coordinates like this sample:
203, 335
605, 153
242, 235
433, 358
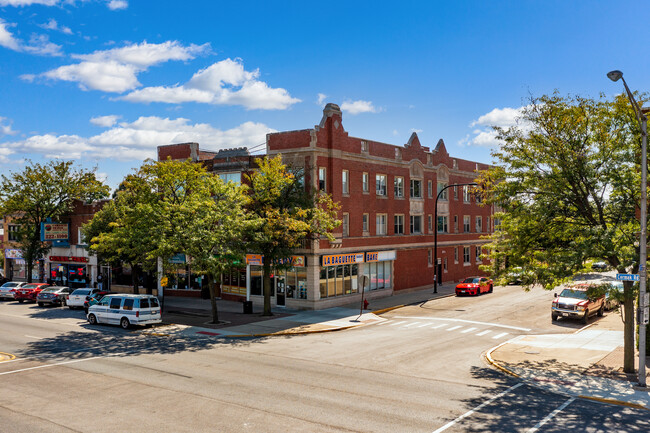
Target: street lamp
643, 255
435, 233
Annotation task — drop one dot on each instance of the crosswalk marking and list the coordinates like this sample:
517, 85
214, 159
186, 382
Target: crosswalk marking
423, 325
411, 324
500, 335
385, 322
480, 334
439, 326
468, 330
398, 323
453, 327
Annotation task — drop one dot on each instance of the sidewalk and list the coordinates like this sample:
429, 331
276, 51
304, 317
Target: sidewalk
192, 316
586, 364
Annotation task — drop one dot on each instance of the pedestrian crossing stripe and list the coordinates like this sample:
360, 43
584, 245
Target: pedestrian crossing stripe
453, 328
468, 330
480, 334
442, 325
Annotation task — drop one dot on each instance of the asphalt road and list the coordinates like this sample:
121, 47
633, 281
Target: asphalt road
419, 371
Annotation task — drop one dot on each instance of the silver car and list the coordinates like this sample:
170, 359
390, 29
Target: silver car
7, 289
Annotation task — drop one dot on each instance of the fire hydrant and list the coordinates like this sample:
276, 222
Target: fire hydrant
365, 304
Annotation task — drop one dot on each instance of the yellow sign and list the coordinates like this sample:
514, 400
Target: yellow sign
164, 281
342, 259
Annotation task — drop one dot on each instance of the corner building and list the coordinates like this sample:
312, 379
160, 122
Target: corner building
387, 195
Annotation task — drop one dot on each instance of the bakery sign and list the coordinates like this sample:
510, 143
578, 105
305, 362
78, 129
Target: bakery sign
54, 231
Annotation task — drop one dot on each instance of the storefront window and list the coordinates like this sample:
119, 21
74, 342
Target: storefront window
256, 280
379, 274
331, 281
301, 279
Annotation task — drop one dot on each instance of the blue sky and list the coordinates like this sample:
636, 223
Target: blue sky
104, 82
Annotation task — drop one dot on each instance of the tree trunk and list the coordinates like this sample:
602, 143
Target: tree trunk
628, 340
30, 267
134, 279
213, 300
267, 288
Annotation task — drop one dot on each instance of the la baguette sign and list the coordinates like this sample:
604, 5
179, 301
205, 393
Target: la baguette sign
54, 231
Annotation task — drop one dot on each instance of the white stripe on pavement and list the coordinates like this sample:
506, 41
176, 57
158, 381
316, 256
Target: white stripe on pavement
51, 365
398, 323
551, 415
453, 328
423, 325
439, 326
385, 323
479, 407
500, 335
480, 334
411, 324
473, 322
468, 330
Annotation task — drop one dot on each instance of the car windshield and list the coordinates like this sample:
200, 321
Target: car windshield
81, 292
471, 280
10, 284
571, 293
50, 289
30, 286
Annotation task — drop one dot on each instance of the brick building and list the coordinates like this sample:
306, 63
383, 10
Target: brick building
387, 195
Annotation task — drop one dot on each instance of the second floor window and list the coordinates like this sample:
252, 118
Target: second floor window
381, 224
466, 194
478, 254
416, 188
399, 224
13, 232
466, 258
364, 224
441, 187
381, 184
346, 224
466, 223
399, 186
479, 224
344, 182
364, 182
322, 178
430, 188
416, 224
443, 222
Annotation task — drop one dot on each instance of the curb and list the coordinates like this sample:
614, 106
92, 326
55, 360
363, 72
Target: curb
488, 356
8, 355
612, 401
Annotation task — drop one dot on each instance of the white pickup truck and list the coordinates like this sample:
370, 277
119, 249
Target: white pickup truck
574, 302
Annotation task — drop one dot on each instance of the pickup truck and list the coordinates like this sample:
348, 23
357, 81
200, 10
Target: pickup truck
576, 302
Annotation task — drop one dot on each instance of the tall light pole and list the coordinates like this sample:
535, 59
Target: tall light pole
643, 255
435, 233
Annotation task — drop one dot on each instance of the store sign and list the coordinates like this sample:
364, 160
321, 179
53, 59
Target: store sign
11, 253
380, 256
69, 259
54, 231
258, 260
342, 259
177, 259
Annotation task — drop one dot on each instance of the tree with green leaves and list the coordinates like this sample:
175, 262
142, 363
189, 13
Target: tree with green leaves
567, 181
284, 214
41, 192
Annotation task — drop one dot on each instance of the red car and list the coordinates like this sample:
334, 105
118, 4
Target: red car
29, 292
474, 286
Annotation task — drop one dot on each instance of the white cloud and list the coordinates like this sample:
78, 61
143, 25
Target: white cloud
417, 131
138, 140
356, 107
38, 44
53, 25
117, 4
28, 2
105, 121
5, 127
7, 40
222, 83
484, 135
116, 70
5, 153
321, 98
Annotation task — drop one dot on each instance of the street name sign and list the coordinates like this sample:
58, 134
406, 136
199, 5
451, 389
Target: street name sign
627, 277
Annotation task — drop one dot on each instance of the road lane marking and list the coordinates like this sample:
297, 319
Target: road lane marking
33, 337
473, 322
411, 324
454, 328
468, 330
480, 334
551, 415
477, 408
423, 325
500, 335
50, 365
439, 326
385, 323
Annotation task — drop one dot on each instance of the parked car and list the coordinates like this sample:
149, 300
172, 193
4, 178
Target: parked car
474, 286
29, 292
95, 298
77, 298
614, 295
53, 295
599, 266
125, 310
578, 302
8, 289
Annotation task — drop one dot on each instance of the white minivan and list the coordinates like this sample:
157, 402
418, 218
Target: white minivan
125, 310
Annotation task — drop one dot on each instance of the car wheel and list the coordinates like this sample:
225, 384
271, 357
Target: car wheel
601, 312
92, 319
554, 317
124, 323
71, 307
86, 310
40, 304
585, 319
490, 289
63, 302
20, 301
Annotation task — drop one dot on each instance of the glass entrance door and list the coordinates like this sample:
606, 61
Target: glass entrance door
280, 291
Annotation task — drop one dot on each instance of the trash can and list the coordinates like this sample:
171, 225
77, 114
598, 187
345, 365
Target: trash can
248, 307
